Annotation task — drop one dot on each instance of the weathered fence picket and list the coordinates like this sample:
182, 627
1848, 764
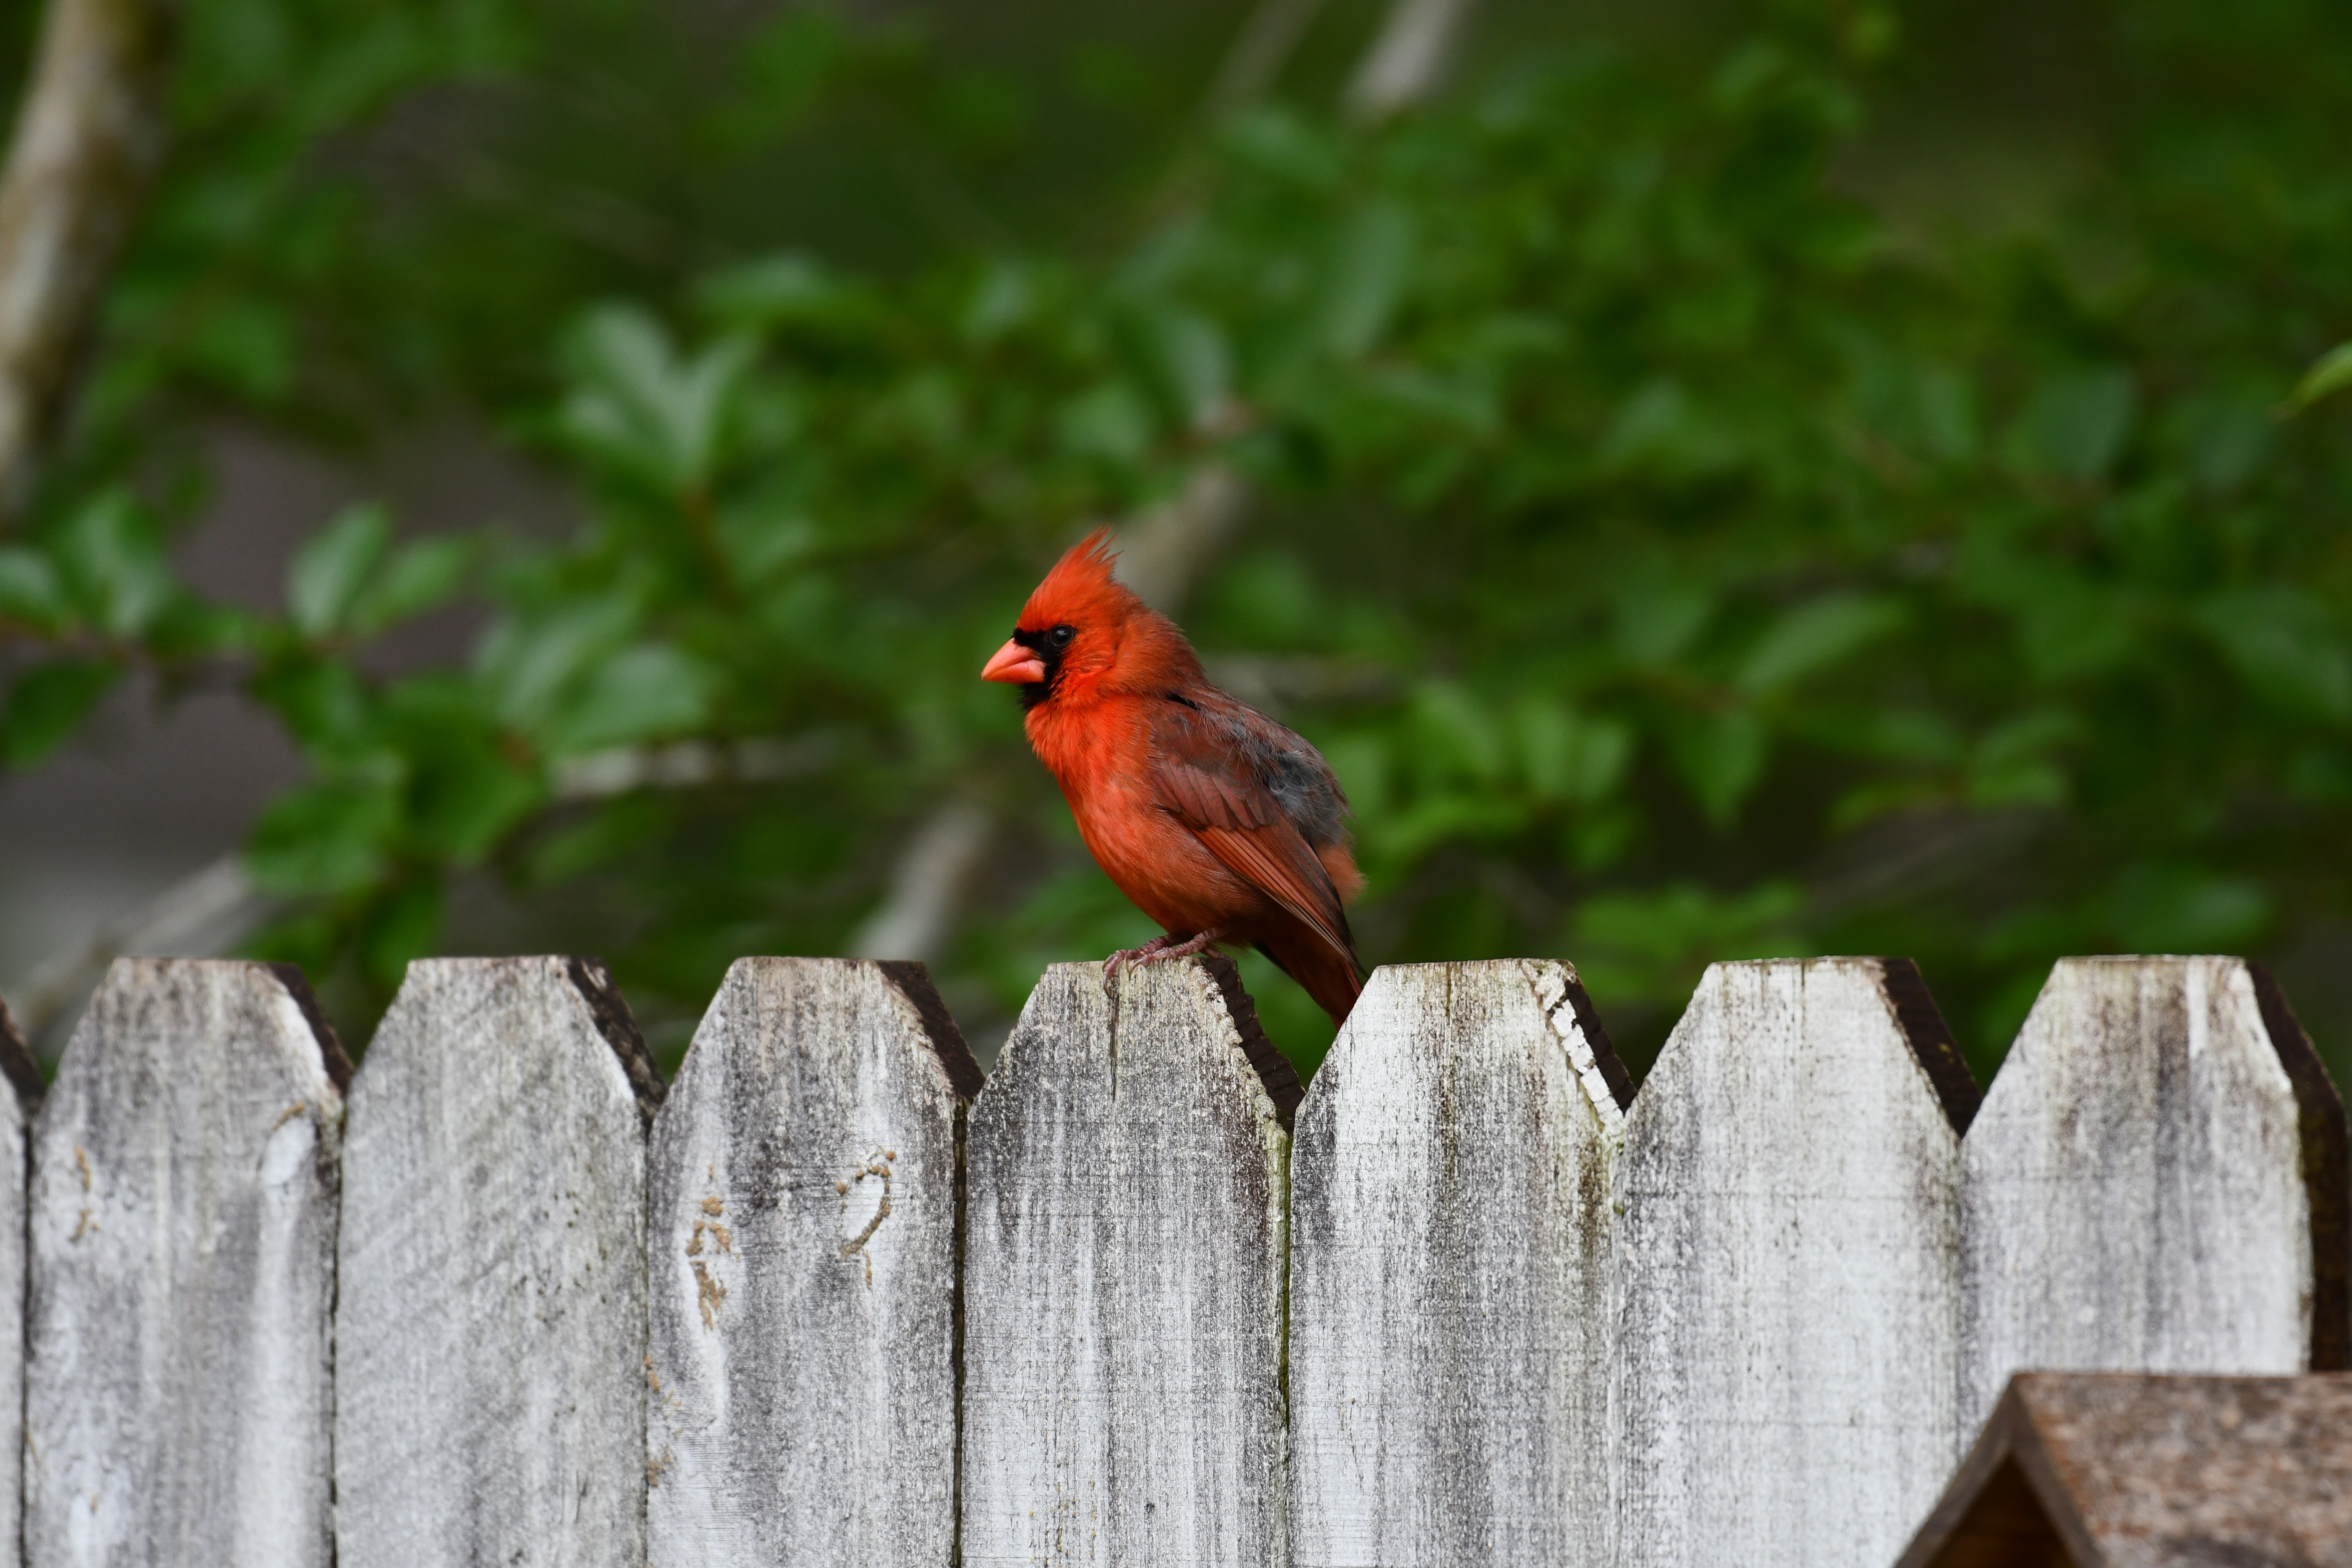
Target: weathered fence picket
2156, 1182
1123, 1278
1788, 1267
180, 1396
492, 1329
850, 1305
805, 1183
1450, 1321
20, 1099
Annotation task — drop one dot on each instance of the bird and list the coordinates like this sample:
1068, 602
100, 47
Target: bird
1222, 824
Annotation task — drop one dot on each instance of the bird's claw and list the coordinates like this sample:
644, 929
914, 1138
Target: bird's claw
1152, 952
1127, 955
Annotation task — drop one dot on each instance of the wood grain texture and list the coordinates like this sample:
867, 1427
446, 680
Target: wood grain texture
804, 1180
491, 1389
180, 1385
20, 1099
1452, 1235
1123, 1278
2144, 1183
1789, 1271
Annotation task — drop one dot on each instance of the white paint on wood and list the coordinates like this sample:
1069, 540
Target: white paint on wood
804, 1180
492, 1325
1788, 1285
180, 1390
20, 1099
1451, 1328
2134, 1194
1124, 1278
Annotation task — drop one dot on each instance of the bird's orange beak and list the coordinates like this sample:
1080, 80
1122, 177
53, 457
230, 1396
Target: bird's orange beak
1014, 664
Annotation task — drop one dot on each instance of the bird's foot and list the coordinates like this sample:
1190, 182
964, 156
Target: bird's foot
1158, 948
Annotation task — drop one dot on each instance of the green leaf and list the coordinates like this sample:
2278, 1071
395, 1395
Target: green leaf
763, 540
247, 343
399, 929
1190, 356
1657, 622
419, 576
110, 553
1812, 636
1663, 430
1371, 266
1569, 757
2229, 437
467, 798
1110, 422
639, 405
790, 290
1443, 818
2287, 647
2331, 373
789, 63
1720, 757
327, 838
328, 576
1004, 297
1280, 147
1458, 737
530, 667
639, 694
29, 590
323, 704
47, 704
2075, 426
2019, 763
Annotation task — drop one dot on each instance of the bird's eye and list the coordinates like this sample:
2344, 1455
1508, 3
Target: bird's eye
1059, 637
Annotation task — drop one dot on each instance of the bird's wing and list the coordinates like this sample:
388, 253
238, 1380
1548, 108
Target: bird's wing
1204, 767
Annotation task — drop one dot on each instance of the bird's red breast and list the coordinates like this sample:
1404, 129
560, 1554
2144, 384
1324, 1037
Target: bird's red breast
1206, 813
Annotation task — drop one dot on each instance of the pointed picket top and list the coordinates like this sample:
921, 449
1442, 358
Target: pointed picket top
2156, 1183
804, 1180
179, 1394
1451, 1331
1788, 1266
491, 1385
1123, 1280
20, 1070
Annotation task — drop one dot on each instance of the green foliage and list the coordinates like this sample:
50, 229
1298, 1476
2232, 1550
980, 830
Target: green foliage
2332, 373
1676, 559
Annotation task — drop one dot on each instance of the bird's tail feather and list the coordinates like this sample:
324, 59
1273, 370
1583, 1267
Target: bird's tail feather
1323, 971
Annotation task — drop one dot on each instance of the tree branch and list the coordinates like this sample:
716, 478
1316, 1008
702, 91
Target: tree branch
88, 141
927, 887
689, 764
1407, 61
1258, 53
1163, 548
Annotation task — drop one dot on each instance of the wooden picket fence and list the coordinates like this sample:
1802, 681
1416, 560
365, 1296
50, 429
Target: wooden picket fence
497, 1298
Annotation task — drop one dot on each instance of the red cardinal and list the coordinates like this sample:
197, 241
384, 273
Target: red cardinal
1218, 823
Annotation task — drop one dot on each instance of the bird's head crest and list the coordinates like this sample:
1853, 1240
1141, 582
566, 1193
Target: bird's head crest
1080, 589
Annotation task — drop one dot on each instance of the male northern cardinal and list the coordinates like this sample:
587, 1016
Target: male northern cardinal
1218, 823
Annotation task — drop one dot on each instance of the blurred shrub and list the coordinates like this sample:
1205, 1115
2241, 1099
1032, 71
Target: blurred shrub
1674, 562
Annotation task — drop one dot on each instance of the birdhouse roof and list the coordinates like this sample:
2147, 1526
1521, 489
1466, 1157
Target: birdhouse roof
2128, 1470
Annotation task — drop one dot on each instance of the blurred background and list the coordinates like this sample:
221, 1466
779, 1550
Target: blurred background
1717, 480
